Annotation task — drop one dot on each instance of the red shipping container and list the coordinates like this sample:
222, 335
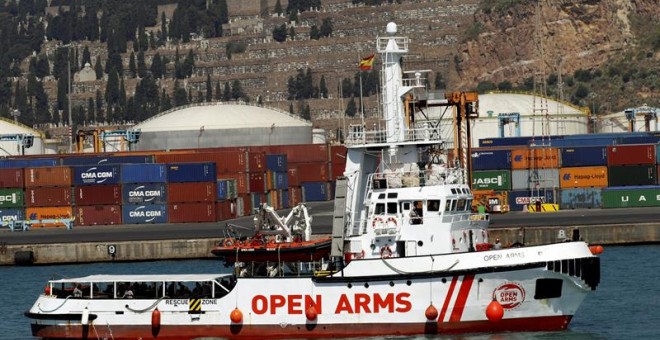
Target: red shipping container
241, 181
191, 192
97, 195
257, 162
98, 215
225, 161
225, 210
246, 205
338, 154
295, 196
313, 172
191, 212
257, 183
300, 153
630, 154
47, 177
11, 178
292, 174
49, 213
47, 196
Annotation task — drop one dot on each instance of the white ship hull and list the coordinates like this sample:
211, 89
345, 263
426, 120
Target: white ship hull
359, 303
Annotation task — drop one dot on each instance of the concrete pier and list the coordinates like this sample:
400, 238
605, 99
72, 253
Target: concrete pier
87, 252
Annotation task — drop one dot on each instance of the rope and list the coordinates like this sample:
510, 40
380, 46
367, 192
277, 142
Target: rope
52, 310
146, 309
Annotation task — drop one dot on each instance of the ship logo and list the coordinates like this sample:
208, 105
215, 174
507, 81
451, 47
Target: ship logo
518, 158
567, 177
510, 295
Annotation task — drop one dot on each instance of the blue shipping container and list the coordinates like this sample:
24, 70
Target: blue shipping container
581, 198
255, 198
28, 163
11, 214
96, 174
141, 193
143, 173
657, 153
276, 163
281, 180
222, 189
518, 199
284, 199
91, 160
514, 141
191, 172
149, 213
583, 156
491, 159
314, 191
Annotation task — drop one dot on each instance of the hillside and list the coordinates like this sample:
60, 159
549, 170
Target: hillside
606, 51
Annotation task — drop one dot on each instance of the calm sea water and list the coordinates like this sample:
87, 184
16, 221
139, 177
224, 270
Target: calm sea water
626, 304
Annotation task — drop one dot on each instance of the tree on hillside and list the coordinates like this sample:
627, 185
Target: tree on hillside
323, 89
279, 33
91, 113
218, 92
351, 108
292, 33
112, 88
226, 93
326, 27
42, 68
209, 88
141, 65
180, 95
278, 8
86, 57
157, 66
237, 90
314, 33
132, 69
98, 69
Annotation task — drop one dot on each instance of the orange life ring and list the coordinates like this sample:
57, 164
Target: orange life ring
385, 252
377, 220
228, 242
393, 220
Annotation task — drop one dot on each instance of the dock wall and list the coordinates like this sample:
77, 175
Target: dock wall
65, 253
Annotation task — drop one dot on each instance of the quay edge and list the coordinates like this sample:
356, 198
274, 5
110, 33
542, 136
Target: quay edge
89, 252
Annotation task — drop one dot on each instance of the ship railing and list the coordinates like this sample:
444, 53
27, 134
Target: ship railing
458, 217
437, 175
383, 42
358, 135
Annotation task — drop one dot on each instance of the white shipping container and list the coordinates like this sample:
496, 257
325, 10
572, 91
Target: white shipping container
529, 179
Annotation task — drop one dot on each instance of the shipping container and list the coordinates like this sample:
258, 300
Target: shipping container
225, 161
520, 199
105, 160
583, 177
144, 193
584, 156
221, 188
491, 159
491, 180
12, 198
240, 183
244, 205
11, 214
191, 212
96, 174
631, 155
295, 196
191, 172
225, 210
255, 199
657, 153
534, 179
256, 162
49, 213
338, 154
11, 178
44, 177
284, 199
313, 172
257, 182
143, 213
535, 158
642, 196
298, 153
280, 180
292, 176
632, 175
276, 163
513, 141
98, 215
47, 196
273, 199
97, 195
191, 192
315, 191
581, 198
28, 163
143, 173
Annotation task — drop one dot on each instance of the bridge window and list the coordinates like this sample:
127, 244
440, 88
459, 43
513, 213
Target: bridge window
392, 195
433, 205
391, 208
380, 209
460, 205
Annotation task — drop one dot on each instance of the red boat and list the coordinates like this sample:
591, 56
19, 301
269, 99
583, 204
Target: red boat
275, 239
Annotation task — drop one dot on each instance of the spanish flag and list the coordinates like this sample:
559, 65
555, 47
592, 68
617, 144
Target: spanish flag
367, 63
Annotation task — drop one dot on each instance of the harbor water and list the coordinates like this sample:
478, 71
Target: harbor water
625, 305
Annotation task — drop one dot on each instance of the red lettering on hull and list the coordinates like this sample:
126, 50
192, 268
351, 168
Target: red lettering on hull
293, 304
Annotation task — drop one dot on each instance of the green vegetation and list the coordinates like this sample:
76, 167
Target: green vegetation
499, 6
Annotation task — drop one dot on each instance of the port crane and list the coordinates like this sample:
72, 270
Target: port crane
649, 114
99, 137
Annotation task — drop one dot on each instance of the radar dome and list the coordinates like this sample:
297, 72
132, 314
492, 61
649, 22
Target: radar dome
391, 28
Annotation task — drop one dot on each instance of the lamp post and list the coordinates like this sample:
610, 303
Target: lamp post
68, 98
15, 113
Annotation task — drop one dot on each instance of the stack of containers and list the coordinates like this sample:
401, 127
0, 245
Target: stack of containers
144, 193
583, 176
12, 201
257, 178
192, 192
534, 171
277, 181
491, 171
97, 194
633, 177
309, 168
48, 194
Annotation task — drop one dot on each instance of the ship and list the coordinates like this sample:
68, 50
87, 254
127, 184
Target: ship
407, 256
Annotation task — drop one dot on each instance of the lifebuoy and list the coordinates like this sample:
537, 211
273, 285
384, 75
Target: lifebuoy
377, 220
393, 220
385, 252
227, 242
